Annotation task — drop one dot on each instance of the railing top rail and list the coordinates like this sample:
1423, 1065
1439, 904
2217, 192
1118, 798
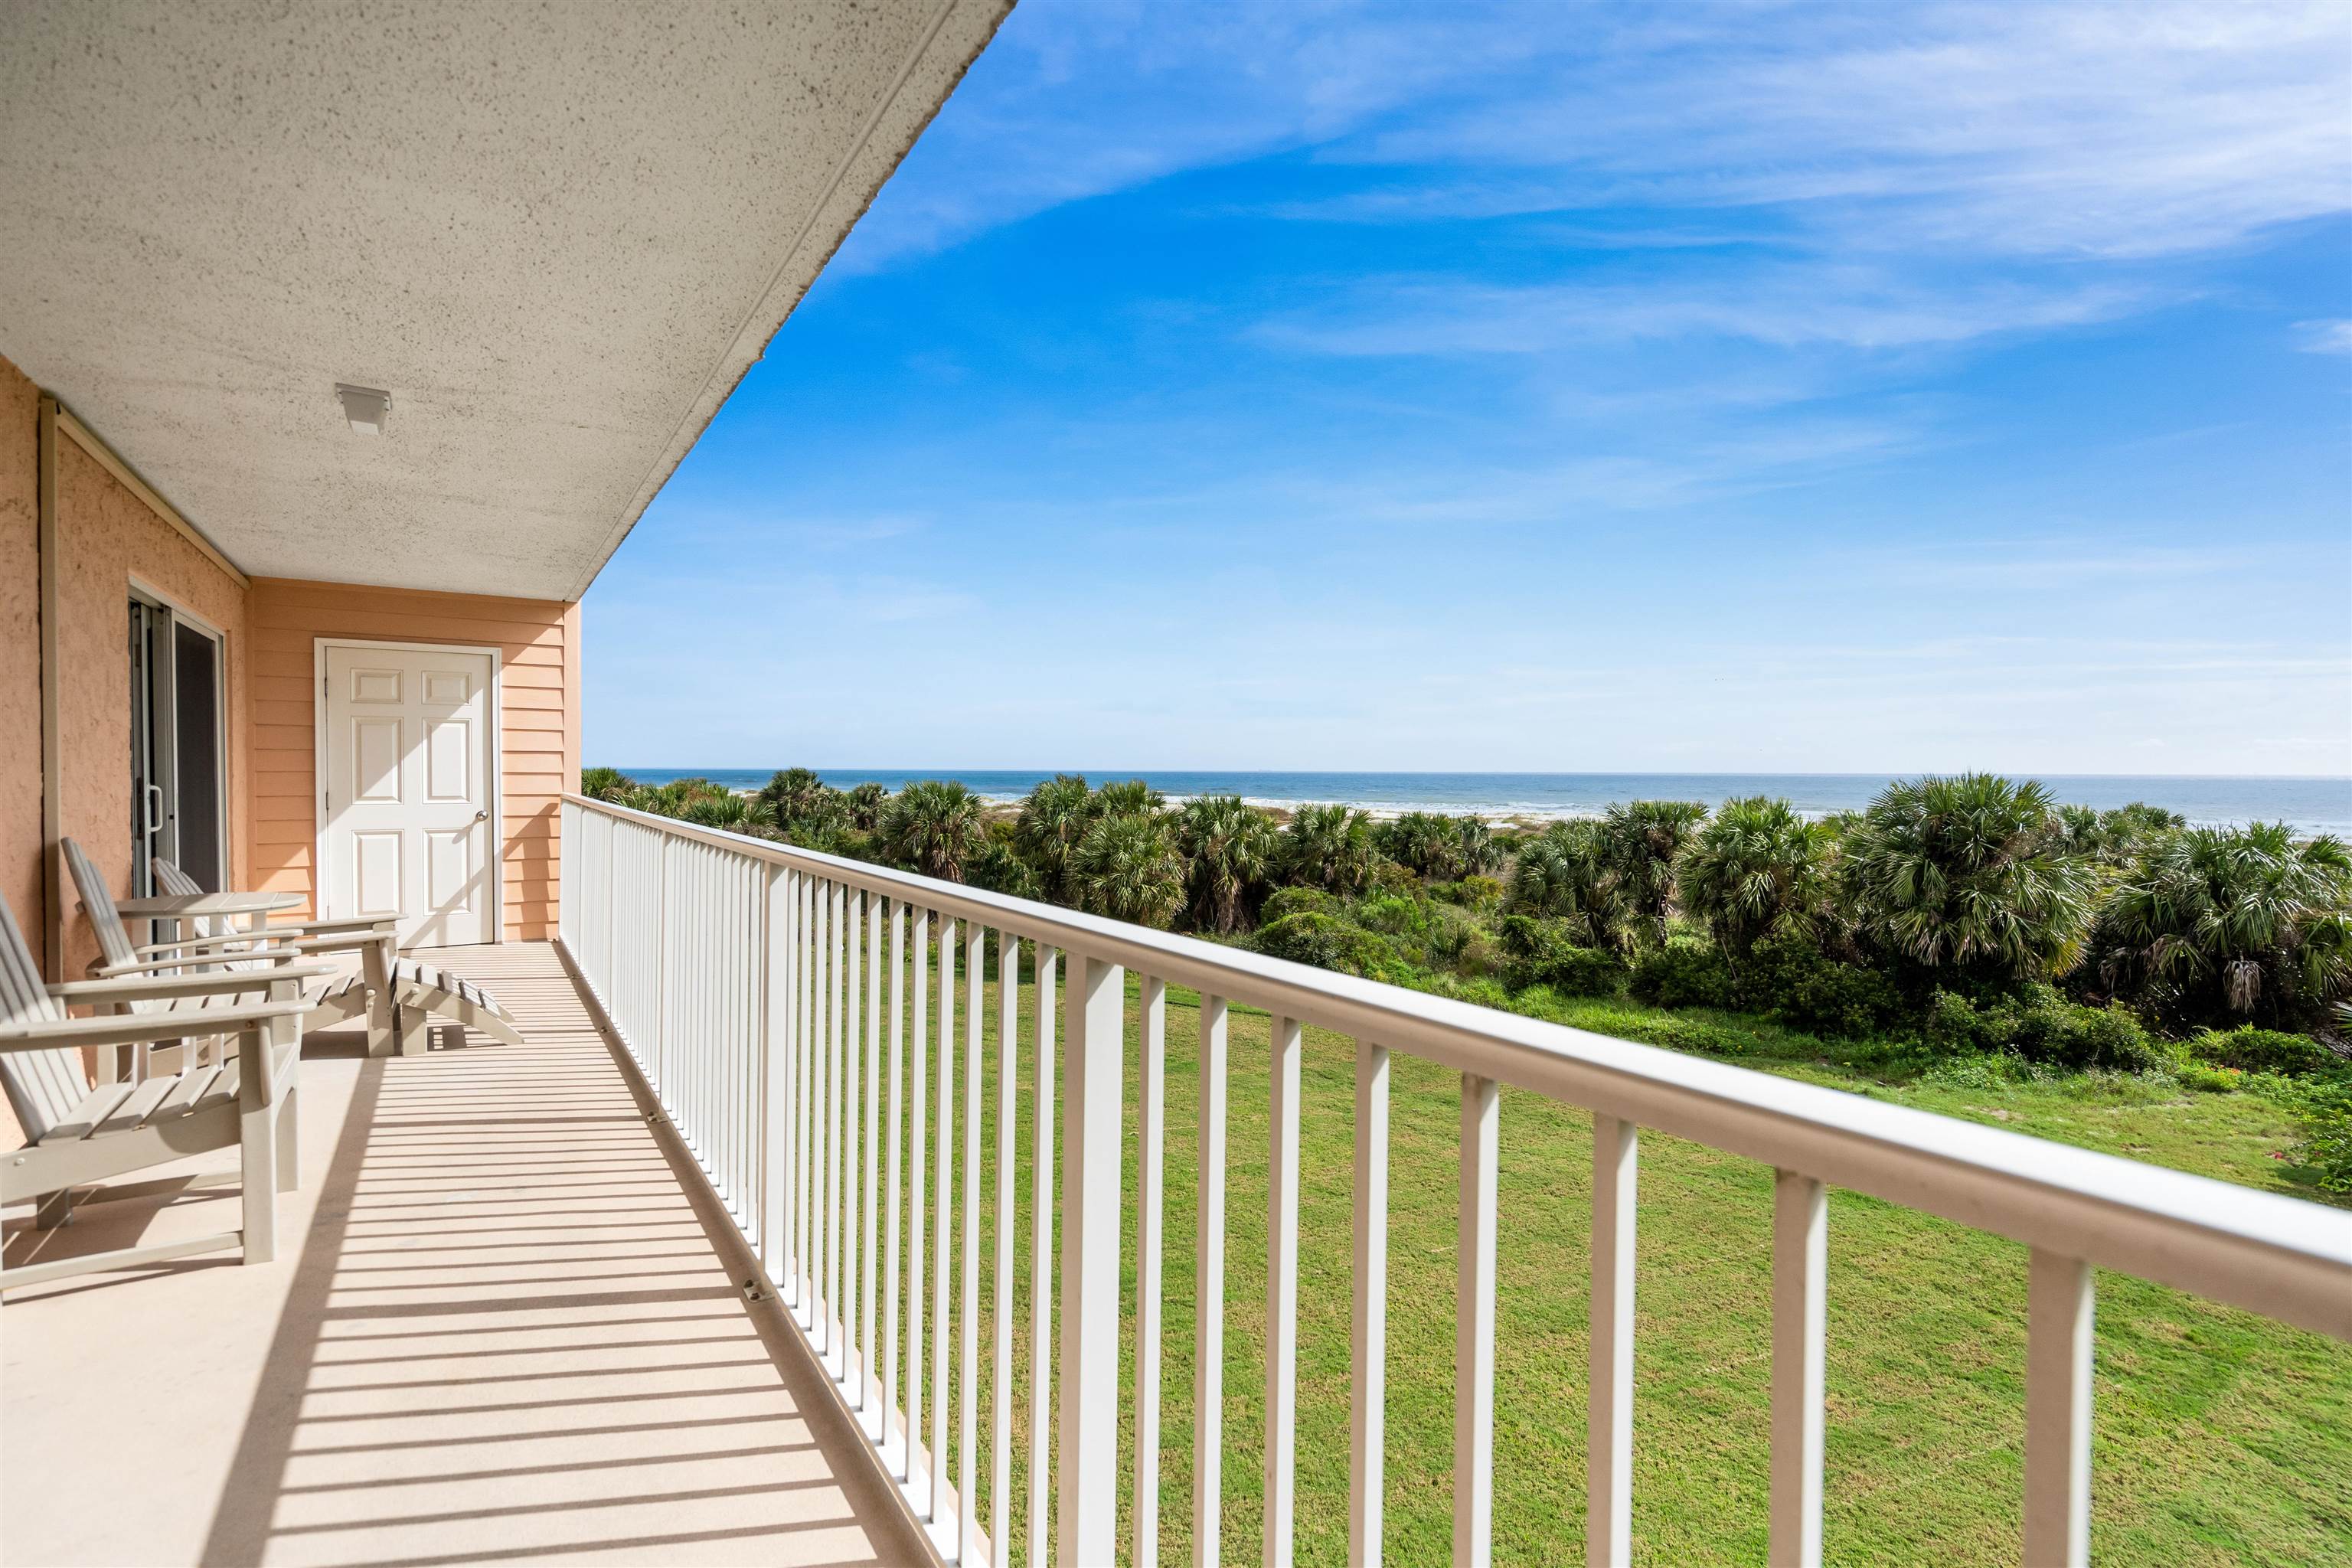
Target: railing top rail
2279, 1255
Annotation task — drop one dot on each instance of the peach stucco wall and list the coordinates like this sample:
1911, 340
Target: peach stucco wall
106, 537
20, 652
538, 741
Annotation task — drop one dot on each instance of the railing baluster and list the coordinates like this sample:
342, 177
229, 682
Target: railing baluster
1086, 1479
803, 1121
1282, 1292
821, 1102
893, 1137
1209, 1296
918, 1130
1008, 1053
943, 1225
852, 912
2058, 1355
1151, 1199
775, 1084
1799, 1294
1609, 1420
1473, 1328
873, 1069
836, 1110
1368, 1416
1041, 1264
975, 968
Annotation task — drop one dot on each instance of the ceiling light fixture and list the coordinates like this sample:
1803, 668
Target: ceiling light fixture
365, 406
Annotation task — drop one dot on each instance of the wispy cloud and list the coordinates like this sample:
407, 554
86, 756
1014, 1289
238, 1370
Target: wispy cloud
2325, 337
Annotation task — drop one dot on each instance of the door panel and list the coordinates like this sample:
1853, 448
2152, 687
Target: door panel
407, 792
196, 736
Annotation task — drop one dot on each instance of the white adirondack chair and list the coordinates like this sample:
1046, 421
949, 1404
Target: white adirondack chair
375, 940
405, 990
77, 1134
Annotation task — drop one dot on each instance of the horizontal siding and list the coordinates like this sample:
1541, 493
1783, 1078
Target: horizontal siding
538, 724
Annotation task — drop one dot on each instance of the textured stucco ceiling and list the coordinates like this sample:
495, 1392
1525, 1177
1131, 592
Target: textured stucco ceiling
558, 234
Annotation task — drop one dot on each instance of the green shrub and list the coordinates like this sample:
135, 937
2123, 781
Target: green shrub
1791, 978
2251, 1050
1470, 892
1392, 915
2324, 1107
1283, 903
1326, 941
2041, 1025
2210, 1080
1684, 972
1539, 952
1676, 1034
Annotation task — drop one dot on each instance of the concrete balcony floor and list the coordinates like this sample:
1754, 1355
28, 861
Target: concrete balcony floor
507, 1326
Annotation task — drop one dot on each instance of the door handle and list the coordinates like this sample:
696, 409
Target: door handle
154, 810
482, 815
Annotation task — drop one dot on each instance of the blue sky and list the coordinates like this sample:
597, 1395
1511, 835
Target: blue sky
1554, 387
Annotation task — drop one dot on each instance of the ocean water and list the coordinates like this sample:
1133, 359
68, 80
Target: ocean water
2309, 805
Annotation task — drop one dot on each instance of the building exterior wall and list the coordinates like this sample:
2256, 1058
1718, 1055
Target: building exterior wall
20, 653
107, 536
539, 724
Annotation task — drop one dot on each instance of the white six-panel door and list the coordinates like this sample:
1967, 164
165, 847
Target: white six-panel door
407, 804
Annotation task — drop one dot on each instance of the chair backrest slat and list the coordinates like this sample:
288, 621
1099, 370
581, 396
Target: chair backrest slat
97, 902
43, 1087
179, 884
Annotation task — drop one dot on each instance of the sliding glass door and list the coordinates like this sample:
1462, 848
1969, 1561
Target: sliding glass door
179, 782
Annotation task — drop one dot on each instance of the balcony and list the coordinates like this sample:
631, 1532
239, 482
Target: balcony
745, 1239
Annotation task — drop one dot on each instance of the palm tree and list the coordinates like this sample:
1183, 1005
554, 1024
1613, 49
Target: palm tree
1640, 840
1563, 873
1230, 847
1970, 873
1755, 867
1054, 816
734, 813
864, 803
606, 784
1331, 848
1427, 845
2213, 924
936, 826
1128, 797
1126, 869
1480, 853
802, 800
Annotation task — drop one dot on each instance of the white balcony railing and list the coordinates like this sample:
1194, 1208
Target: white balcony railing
778, 1001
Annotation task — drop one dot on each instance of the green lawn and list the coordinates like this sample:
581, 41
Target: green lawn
2221, 1437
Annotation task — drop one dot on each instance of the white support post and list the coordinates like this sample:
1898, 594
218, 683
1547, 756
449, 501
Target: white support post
1282, 1293
918, 1129
1151, 1161
1609, 1423
1041, 1254
852, 1348
2058, 1352
1008, 1056
943, 1225
1473, 1328
1209, 1296
1368, 1387
1087, 1487
976, 969
774, 1036
1800, 1293
894, 1162
871, 1144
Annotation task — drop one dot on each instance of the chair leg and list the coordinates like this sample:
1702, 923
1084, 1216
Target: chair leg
290, 1138
54, 1210
257, 1150
375, 972
412, 1023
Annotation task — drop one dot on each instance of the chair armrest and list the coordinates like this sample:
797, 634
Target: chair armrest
364, 923
223, 939
150, 987
123, 1029
277, 955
